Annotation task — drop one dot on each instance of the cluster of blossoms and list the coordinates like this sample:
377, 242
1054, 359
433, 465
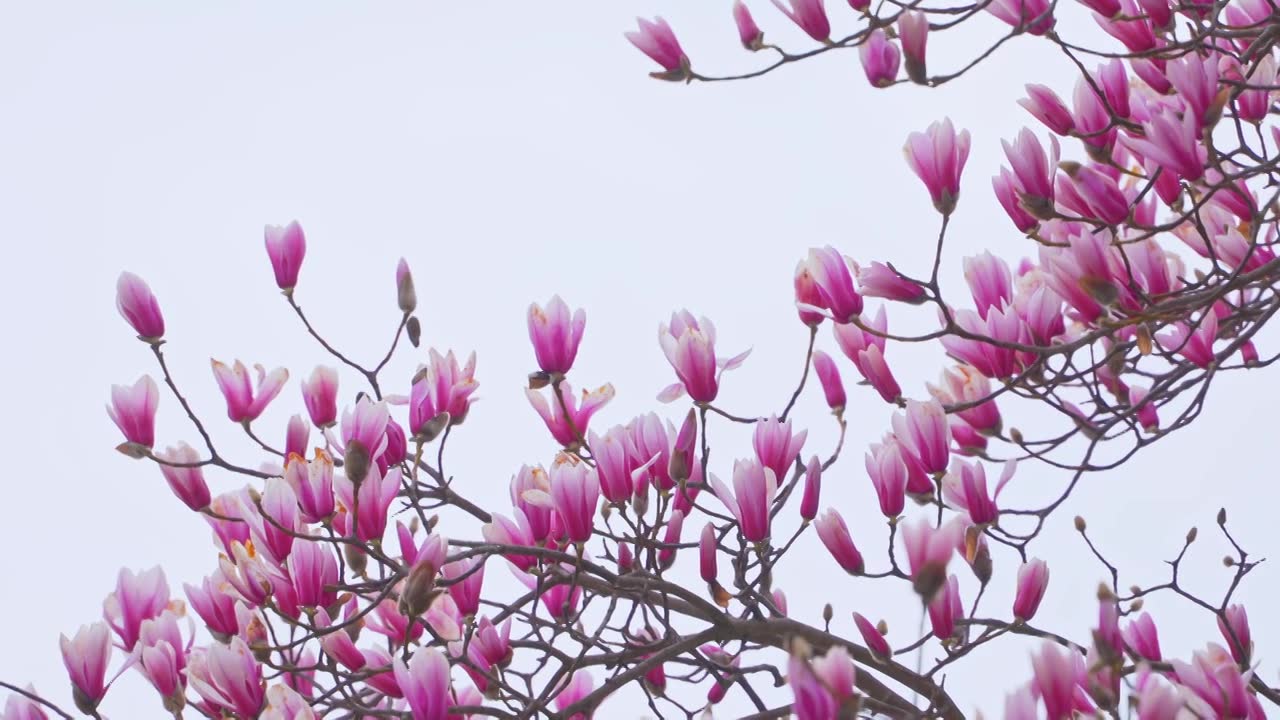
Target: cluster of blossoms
335, 591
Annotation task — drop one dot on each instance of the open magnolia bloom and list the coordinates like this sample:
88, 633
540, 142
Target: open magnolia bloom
352, 572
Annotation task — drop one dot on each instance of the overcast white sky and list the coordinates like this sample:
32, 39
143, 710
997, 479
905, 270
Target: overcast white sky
509, 151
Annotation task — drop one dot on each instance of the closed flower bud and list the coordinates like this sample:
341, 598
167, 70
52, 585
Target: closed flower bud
406, 297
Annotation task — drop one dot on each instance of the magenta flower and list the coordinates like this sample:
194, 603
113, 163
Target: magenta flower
569, 423
1173, 144
834, 534
880, 59
929, 550
1033, 172
812, 489
1005, 187
1196, 80
690, 347
822, 686
228, 677
873, 638
133, 410
279, 504
754, 488
1141, 638
138, 306
988, 358
1036, 16
810, 15
888, 473
965, 487
1033, 578
671, 539
1056, 680
749, 33
286, 246
297, 436
1194, 344
652, 440
312, 483
376, 494
136, 598
658, 41
313, 570
1092, 118
86, 657
577, 688
537, 514
339, 645
555, 335
684, 448
808, 296
833, 274
707, 553
612, 454
913, 30
364, 430
877, 373
962, 385
836, 673
162, 664
465, 579
215, 606
18, 707
880, 280
1048, 108
945, 609
776, 448
243, 404
1146, 413
575, 493
923, 430
937, 156
1236, 632
829, 377
1093, 194
320, 394
442, 386
187, 482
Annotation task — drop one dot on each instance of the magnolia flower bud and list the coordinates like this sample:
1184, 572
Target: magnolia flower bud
418, 590
1080, 524
355, 462
405, 295
414, 330
433, 427
357, 559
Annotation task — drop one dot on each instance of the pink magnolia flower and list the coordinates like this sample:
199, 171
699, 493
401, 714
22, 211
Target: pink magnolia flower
19, 707
243, 404
873, 638
338, 644
376, 492
1236, 633
215, 605
812, 489
442, 386
568, 430
297, 436
1194, 344
1055, 680
750, 501
1048, 108
1093, 121
988, 358
1141, 638
652, 440
313, 571
1036, 16
880, 280
962, 385
929, 550
913, 31
613, 453
690, 347
945, 609
1093, 194
272, 528
880, 59
576, 689
834, 534
320, 394
808, 296
286, 246
1195, 78
810, 15
133, 410
1214, 678
228, 677
364, 430
86, 656
162, 656
657, 40
922, 428
187, 481
821, 686
671, 539
965, 487
1146, 412
555, 335
684, 448
829, 377
888, 473
937, 156
878, 375
138, 306
285, 703
137, 597
1033, 578
1253, 103
833, 274
379, 664
989, 282
852, 340
312, 484
406, 295
776, 447
465, 579
749, 33
1173, 143
707, 553
1005, 187
836, 672
575, 493
425, 683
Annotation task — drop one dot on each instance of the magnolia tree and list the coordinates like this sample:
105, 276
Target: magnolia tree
349, 572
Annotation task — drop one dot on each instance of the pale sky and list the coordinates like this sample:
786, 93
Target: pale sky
509, 151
